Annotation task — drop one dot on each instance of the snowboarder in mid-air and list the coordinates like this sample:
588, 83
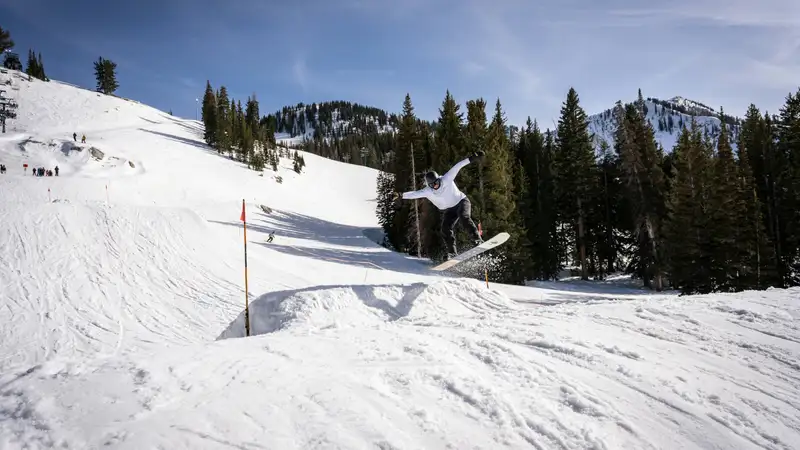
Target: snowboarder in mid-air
454, 204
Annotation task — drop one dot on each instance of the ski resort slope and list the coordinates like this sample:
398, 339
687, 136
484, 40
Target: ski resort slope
122, 323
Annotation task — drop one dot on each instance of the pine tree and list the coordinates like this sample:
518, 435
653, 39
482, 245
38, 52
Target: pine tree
251, 112
32, 69
105, 74
475, 140
614, 222
385, 203
764, 142
405, 179
727, 214
274, 160
223, 130
449, 134
42, 76
645, 189
788, 145
297, 166
752, 142
755, 251
498, 170
99, 74
539, 214
209, 115
447, 149
233, 126
11, 61
689, 225
6, 43
500, 214
243, 135
110, 84
521, 264
575, 181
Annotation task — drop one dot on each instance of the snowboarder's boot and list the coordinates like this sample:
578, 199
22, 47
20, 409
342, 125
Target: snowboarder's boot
452, 251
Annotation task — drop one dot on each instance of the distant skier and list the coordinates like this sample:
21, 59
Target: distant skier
83, 139
445, 195
271, 236
75, 137
56, 170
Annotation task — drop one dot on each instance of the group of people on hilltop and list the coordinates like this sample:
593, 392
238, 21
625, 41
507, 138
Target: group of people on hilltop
75, 138
35, 171
42, 172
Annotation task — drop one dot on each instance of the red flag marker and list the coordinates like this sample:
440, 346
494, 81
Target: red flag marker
246, 291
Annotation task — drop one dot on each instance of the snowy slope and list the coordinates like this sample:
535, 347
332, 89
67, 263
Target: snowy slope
121, 317
667, 119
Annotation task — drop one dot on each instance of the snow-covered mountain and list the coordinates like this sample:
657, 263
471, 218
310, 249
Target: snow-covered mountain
122, 297
329, 121
667, 118
336, 120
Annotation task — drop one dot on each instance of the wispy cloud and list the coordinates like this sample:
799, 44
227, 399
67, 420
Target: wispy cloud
189, 82
526, 53
764, 13
376, 73
300, 73
472, 68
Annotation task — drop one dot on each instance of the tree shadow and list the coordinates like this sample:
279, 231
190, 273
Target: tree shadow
355, 247
182, 140
369, 260
194, 128
607, 287
562, 298
148, 120
300, 226
196, 143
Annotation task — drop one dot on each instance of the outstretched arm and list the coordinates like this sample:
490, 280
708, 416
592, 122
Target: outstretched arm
422, 193
451, 174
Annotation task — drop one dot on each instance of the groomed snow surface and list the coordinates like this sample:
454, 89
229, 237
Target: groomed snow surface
122, 323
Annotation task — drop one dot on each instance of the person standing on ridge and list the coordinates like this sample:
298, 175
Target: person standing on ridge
455, 205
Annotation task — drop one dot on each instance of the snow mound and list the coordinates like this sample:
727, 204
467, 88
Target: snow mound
85, 278
72, 158
717, 371
367, 305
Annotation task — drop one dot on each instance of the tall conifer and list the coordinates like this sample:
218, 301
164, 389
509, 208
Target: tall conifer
574, 166
209, 115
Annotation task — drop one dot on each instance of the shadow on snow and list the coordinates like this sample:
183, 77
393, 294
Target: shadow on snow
373, 260
355, 246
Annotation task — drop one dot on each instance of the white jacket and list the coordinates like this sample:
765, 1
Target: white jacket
448, 194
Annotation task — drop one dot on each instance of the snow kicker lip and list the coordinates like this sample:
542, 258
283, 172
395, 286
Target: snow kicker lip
322, 307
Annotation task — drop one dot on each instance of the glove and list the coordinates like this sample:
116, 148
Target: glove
477, 156
398, 196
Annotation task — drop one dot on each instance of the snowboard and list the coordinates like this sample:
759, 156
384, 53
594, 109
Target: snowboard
473, 252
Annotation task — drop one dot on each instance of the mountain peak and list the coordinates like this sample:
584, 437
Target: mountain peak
696, 107
668, 118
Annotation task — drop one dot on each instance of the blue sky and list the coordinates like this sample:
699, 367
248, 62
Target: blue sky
528, 53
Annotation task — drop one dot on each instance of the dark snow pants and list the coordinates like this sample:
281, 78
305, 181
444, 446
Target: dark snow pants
451, 216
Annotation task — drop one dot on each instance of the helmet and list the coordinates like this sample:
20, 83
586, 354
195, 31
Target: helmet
431, 178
